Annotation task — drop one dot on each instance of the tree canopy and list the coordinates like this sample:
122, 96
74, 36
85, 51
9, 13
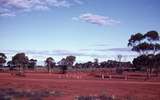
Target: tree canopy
2, 59
20, 59
147, 43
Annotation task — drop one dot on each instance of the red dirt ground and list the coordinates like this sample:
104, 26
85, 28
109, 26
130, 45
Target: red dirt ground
139, 90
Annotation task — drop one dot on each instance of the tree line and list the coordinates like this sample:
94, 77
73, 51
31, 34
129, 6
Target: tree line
147, 45
22, 61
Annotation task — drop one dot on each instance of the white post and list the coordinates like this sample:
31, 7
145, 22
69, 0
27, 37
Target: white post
110, 77
102, 76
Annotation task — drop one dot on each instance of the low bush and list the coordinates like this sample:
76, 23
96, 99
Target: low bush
13, 94
100, 97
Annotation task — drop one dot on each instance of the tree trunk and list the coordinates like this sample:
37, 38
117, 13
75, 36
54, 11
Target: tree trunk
48, 68
148, 75
150, 71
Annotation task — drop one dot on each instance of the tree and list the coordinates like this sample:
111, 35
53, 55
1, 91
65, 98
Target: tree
157, 63
50, 63
63, 65
104, 64
157, 48
147, 46
134, 42
88, 64
32, 63
143, 62
137, 62
119, 69
119, 57
135, 39
20, 60
70, 60
153, 38
11, 65
2, 59
96, 63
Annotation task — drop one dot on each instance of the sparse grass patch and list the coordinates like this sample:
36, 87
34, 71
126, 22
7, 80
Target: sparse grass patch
14, 94
105, 97
99, 97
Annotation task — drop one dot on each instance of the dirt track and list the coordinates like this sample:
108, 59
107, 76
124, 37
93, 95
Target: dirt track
141, 90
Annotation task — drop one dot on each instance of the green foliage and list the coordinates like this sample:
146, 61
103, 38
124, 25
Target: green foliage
144, 43
32, 63
50, 63
2, 59
148, 45
20, 58
70, 60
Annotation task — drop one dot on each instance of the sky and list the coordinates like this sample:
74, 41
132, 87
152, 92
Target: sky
87, 29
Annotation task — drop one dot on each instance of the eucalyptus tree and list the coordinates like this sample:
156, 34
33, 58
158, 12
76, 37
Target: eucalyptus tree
32, 63
153, 38
63, 65
147, 45
119, 69
96, 63
70, 60
21, 61
50, 62
11, 65
157, 64
3, 58
134, 42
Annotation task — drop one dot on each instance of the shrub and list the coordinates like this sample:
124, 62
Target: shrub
100, 97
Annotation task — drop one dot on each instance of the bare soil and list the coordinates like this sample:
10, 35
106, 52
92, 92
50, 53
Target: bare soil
69, 86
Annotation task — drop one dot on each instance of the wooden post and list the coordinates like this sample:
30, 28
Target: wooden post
102, 76
110, 76
126, 78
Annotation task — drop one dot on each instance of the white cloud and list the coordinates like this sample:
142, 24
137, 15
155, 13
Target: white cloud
7, 14
97, 19
63, 4
114, 49
10, 7
83, 56
41, 7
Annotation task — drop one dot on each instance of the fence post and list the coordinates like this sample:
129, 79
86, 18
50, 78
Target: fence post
126, 76
102, 76
110, 76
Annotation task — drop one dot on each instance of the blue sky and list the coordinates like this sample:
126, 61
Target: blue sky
87, 29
